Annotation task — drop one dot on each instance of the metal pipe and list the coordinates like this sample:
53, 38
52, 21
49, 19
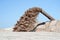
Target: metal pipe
47, 15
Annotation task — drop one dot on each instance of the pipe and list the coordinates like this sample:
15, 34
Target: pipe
47, 15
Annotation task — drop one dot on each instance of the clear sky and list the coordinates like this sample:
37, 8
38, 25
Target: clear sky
12, 10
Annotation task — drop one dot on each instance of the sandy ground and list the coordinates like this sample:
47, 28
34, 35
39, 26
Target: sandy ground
29, 36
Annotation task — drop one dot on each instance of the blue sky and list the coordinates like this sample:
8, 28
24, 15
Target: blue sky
12, 10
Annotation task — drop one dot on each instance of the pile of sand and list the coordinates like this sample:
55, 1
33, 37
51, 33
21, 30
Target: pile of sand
53, 26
